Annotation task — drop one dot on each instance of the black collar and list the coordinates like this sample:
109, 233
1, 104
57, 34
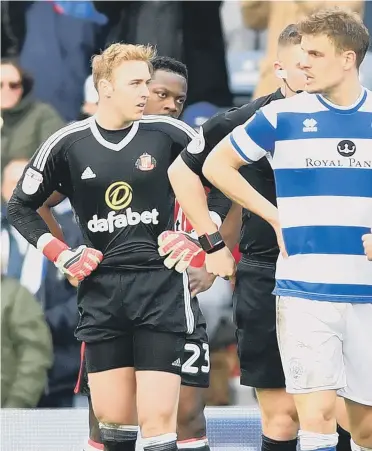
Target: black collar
277, 95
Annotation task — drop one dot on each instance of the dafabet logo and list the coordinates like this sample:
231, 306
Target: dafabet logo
119, 196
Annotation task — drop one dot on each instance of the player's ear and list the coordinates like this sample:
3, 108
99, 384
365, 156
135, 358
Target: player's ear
105, 87
349, 59
279, 71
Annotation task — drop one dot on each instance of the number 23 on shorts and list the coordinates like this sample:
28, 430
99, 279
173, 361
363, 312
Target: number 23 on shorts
194, 364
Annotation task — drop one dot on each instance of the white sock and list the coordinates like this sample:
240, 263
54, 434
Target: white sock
312, 440
159, 440
356, 447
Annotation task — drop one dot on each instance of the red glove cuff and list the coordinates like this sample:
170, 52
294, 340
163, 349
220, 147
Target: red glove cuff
198, 261
53, 249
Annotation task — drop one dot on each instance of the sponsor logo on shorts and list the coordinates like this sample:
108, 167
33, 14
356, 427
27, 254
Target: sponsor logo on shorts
177, 363
118, 196
296, 369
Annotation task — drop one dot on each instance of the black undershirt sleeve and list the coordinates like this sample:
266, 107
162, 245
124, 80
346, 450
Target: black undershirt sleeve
46, 172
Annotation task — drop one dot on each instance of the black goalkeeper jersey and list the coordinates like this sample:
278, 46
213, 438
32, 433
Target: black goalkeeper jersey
118, 186
258, 238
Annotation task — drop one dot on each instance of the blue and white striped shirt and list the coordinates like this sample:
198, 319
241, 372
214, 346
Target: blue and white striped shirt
322, 160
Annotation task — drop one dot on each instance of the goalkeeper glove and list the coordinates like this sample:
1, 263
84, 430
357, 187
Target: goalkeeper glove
182, 250
78, 262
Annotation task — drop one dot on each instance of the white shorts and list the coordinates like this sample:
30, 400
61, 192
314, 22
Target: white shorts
326, 346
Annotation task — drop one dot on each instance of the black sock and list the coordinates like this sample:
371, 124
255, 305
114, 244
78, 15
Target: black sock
120, 446
165, 442
200, 444
122, 438
269, 444
203, 448
170, 446
344, 438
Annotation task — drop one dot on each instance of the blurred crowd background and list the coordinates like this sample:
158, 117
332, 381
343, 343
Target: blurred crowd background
46, 46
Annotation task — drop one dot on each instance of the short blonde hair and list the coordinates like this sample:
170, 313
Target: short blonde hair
104, 64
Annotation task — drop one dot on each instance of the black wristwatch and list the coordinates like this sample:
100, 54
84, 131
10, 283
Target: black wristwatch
211, 243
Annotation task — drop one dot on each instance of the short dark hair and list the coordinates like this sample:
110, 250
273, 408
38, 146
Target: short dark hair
289, 36
169, 65
344, 28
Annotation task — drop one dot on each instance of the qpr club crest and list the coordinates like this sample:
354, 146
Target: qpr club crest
146, 162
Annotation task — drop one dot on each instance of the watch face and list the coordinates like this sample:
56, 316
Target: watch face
204, 242
207, 242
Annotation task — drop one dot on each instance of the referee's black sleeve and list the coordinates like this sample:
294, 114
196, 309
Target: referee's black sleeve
218, 203
44, 174
213, 131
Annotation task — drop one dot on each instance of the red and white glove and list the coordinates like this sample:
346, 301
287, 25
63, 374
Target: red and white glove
78, 262
182, 250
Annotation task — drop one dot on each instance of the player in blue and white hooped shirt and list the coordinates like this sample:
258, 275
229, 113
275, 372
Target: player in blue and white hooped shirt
320, 146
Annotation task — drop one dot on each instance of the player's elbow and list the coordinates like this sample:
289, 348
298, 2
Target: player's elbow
13, 207
18, 210
54, 199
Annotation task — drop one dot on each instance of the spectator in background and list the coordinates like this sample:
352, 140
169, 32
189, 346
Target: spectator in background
58, 298
90, 104
56, 295
275, 16
26, 121
60, 40
13, 27
20, 260
26, 347
200, 47
204, 53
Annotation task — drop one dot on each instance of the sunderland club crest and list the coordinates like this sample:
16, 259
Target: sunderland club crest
146, 162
